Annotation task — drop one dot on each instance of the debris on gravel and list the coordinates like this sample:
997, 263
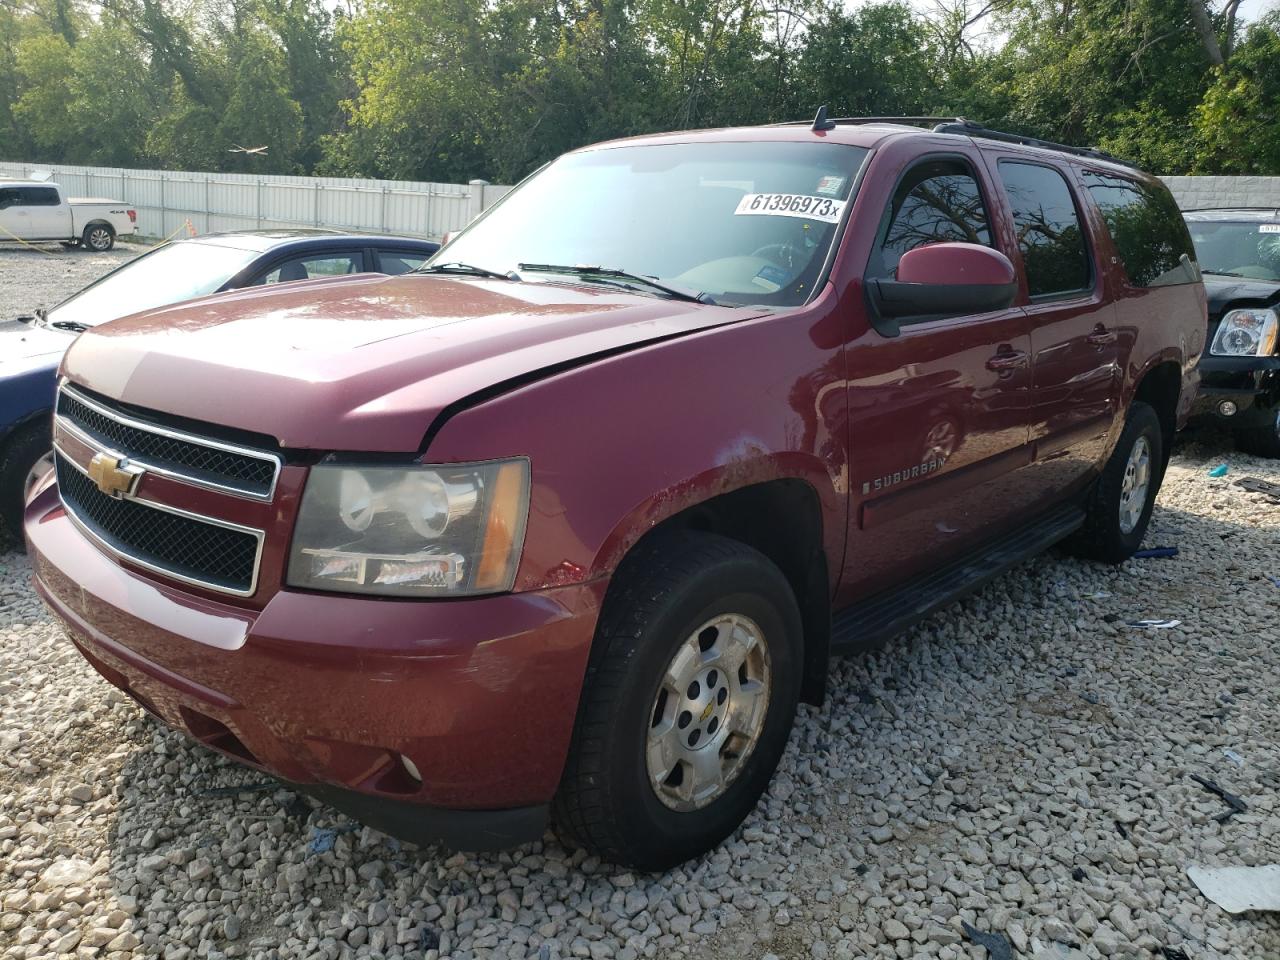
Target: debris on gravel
1019, 765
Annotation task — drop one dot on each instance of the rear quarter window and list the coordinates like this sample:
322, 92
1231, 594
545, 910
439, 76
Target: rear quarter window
1147, 228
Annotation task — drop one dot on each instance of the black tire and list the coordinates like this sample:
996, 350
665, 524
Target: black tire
661, 595
18, 456
1103, 536
1261, 441
98, 237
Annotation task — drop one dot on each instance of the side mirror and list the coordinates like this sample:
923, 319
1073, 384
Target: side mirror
943, 280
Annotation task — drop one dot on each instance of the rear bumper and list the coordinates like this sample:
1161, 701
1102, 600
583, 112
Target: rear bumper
334, 693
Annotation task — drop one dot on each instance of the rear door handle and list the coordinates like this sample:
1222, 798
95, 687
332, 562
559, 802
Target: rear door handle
1007, 360
1100, 337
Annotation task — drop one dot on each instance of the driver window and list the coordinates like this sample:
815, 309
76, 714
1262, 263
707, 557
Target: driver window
938, 201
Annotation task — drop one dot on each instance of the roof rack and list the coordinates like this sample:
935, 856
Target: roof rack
956, 125
970, 129
823, 122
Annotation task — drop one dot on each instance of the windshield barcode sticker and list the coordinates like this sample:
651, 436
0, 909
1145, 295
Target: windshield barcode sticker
1269, 228
790, 205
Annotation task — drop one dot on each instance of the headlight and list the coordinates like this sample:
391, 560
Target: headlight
1246, 333
412, 531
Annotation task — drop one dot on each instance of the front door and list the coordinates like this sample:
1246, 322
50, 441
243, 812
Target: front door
938, 413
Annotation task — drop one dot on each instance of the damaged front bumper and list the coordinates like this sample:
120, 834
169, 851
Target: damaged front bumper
432, 720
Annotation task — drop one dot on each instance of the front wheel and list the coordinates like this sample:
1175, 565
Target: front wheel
1120, 506
99, 237
687, 703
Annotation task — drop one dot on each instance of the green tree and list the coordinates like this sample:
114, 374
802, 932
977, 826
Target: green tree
1238, 123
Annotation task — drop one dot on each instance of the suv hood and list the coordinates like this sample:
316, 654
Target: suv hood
366, 363
1224, 291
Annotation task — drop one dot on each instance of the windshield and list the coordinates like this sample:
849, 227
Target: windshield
740, 222
1241, 249
176, 271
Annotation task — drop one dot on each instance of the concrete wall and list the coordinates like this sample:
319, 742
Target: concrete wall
1207, 193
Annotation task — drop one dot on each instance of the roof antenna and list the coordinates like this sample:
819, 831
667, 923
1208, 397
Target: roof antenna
820, 121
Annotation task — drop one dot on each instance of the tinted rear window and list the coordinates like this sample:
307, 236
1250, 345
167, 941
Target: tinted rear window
1048, 228
1148, 230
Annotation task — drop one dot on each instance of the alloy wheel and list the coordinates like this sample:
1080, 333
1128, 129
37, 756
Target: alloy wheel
708, 712
1135, 485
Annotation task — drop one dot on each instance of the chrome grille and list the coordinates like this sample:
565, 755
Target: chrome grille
173, 543
206, 462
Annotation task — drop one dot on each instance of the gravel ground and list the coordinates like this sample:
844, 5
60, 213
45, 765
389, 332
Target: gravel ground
41, 275
1020, 762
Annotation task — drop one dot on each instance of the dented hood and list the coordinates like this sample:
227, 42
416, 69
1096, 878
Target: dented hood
364, 363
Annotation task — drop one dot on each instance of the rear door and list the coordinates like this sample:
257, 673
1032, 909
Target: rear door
310, 265
394, 262
1077, 349
48, 216
938, 413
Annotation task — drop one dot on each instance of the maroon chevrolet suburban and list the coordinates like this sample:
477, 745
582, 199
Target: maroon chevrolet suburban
561, 527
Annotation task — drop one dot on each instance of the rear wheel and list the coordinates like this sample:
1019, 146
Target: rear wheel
687, 703
1121, 503
99, 237
1262, 441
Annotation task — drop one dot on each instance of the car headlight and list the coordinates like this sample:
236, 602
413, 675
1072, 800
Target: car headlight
1246, 333
414, 531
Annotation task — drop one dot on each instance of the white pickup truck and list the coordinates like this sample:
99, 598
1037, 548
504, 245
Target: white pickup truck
35, 211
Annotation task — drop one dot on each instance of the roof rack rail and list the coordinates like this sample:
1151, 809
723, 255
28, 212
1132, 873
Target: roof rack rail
828, 122
968, 128
957, 125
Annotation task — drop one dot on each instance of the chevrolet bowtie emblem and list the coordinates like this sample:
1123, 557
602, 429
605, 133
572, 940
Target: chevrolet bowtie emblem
114, 476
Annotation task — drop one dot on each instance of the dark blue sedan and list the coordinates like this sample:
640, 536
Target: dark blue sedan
31, 347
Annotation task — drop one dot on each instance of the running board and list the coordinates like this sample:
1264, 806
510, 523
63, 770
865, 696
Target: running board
870, 622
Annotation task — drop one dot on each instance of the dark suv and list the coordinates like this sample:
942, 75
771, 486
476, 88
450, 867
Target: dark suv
566, 525
1239, 252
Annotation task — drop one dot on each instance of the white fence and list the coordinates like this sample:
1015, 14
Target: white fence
166, 200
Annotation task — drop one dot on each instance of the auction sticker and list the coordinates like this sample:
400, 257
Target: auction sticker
800, 205
1269, 228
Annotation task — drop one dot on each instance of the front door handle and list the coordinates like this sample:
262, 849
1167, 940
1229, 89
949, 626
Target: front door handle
1007, 361
1100, 337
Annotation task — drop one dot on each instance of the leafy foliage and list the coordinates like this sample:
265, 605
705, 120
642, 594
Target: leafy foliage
456, 89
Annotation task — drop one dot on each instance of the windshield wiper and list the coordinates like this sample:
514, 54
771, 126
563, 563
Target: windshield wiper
466, 270
588, 271
1222, 273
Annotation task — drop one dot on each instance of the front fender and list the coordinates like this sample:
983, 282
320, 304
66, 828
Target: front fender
621, 444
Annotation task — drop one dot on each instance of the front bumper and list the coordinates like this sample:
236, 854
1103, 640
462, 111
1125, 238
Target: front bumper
1251, 383
331, 692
